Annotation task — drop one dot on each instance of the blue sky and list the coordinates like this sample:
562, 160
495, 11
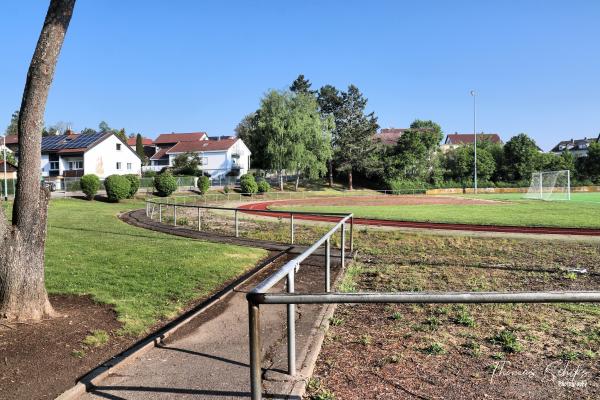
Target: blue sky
162, 66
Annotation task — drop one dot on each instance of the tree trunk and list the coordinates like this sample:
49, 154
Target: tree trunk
330, 173
281, 181
350, 180
297, 181
22, 289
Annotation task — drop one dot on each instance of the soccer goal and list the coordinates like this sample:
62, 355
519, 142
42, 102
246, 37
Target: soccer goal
550, 185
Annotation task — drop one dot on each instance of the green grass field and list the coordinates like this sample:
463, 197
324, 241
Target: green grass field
582, 197
145, 275
581, 212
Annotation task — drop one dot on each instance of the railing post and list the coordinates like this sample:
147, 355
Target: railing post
292, 228
199, 220
351, 234
174, 214
237, 224
343, 247
147, 206
255, 353
291, 325
328, 265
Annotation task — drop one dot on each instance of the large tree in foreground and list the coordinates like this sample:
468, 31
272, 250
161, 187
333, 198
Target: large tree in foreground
22, 242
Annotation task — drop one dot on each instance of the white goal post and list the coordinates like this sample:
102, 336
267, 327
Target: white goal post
550, 185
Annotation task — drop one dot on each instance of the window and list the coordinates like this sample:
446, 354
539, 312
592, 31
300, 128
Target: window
128, 166
118, 165
54, 166
75, 165
119, 146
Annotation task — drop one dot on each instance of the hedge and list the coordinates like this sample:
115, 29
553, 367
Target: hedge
90, 184
203, 184
134, 182
117, 187
165, 184
248, 184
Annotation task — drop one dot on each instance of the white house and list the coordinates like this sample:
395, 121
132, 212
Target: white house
75, 155
219, 156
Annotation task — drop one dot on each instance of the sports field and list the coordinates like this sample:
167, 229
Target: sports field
582, 211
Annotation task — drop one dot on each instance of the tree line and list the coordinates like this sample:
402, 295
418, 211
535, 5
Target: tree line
312, 133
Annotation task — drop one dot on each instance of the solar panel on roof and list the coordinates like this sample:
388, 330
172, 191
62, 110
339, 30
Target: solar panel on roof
50, 143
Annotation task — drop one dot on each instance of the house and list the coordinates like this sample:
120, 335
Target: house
74, 155
219, 156
12, 143
455, 140
389, 136
147, 143
578, 147
11, 170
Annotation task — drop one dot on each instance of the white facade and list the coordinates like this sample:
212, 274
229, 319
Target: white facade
108, 157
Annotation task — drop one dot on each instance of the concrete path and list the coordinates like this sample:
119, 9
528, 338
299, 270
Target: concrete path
208, 358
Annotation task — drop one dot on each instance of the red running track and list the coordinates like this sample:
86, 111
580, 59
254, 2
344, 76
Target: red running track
263, 207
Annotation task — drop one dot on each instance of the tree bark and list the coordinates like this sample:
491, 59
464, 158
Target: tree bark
350, 180
22, 243
281, 181
297, 181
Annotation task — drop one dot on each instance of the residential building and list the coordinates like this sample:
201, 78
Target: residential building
12, 143
220, 156
11, 170
455, 140
578, 147
389, 136
147, 143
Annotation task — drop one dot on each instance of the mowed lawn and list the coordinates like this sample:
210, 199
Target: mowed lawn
145, 275
565, 214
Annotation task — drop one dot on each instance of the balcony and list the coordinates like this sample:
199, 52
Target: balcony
73, 173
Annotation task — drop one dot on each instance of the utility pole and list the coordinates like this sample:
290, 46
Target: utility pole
475, 143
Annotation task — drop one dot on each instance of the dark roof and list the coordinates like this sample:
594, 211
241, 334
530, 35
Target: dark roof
145, 141
574, 144
468, 138
390, 136
9, 167
204, 145
71, 142
167, 138
159, 154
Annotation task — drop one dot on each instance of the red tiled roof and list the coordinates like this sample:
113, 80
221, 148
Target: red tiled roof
390, 136
467, 138
9, 167
12, 139
159, 154
166, 138
204, 145
145, 141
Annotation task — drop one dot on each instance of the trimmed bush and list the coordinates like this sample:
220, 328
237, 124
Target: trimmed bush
165, 183
248, 184
117, 187
134, 182
149, 174
90, 184
203, 184
263, 186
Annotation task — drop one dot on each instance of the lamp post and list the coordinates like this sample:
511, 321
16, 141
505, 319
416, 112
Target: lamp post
475, 143
4, 163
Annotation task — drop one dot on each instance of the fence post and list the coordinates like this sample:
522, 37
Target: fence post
292, 228
237, 224
174, 214
160, 212
255, 353
328, 265
343, 247
199, 220
291, 325
351, 234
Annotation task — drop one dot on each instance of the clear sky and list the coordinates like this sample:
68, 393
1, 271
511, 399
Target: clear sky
163, 66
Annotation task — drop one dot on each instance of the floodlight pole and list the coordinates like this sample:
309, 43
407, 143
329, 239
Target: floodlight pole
475, 143
4, 162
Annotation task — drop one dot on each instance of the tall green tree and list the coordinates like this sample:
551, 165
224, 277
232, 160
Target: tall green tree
186, 164
330, 106
521, 155
12, 128
415, 154
591, 163
248, 131
354, 129
295, 137
88, 131
139, 147
301, 85
459, 164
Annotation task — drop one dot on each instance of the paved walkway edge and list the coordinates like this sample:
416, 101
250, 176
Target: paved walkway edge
99, 373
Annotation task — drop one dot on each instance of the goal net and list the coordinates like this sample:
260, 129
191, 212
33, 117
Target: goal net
550, 185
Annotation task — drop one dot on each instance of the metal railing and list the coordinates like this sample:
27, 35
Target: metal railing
159, 207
